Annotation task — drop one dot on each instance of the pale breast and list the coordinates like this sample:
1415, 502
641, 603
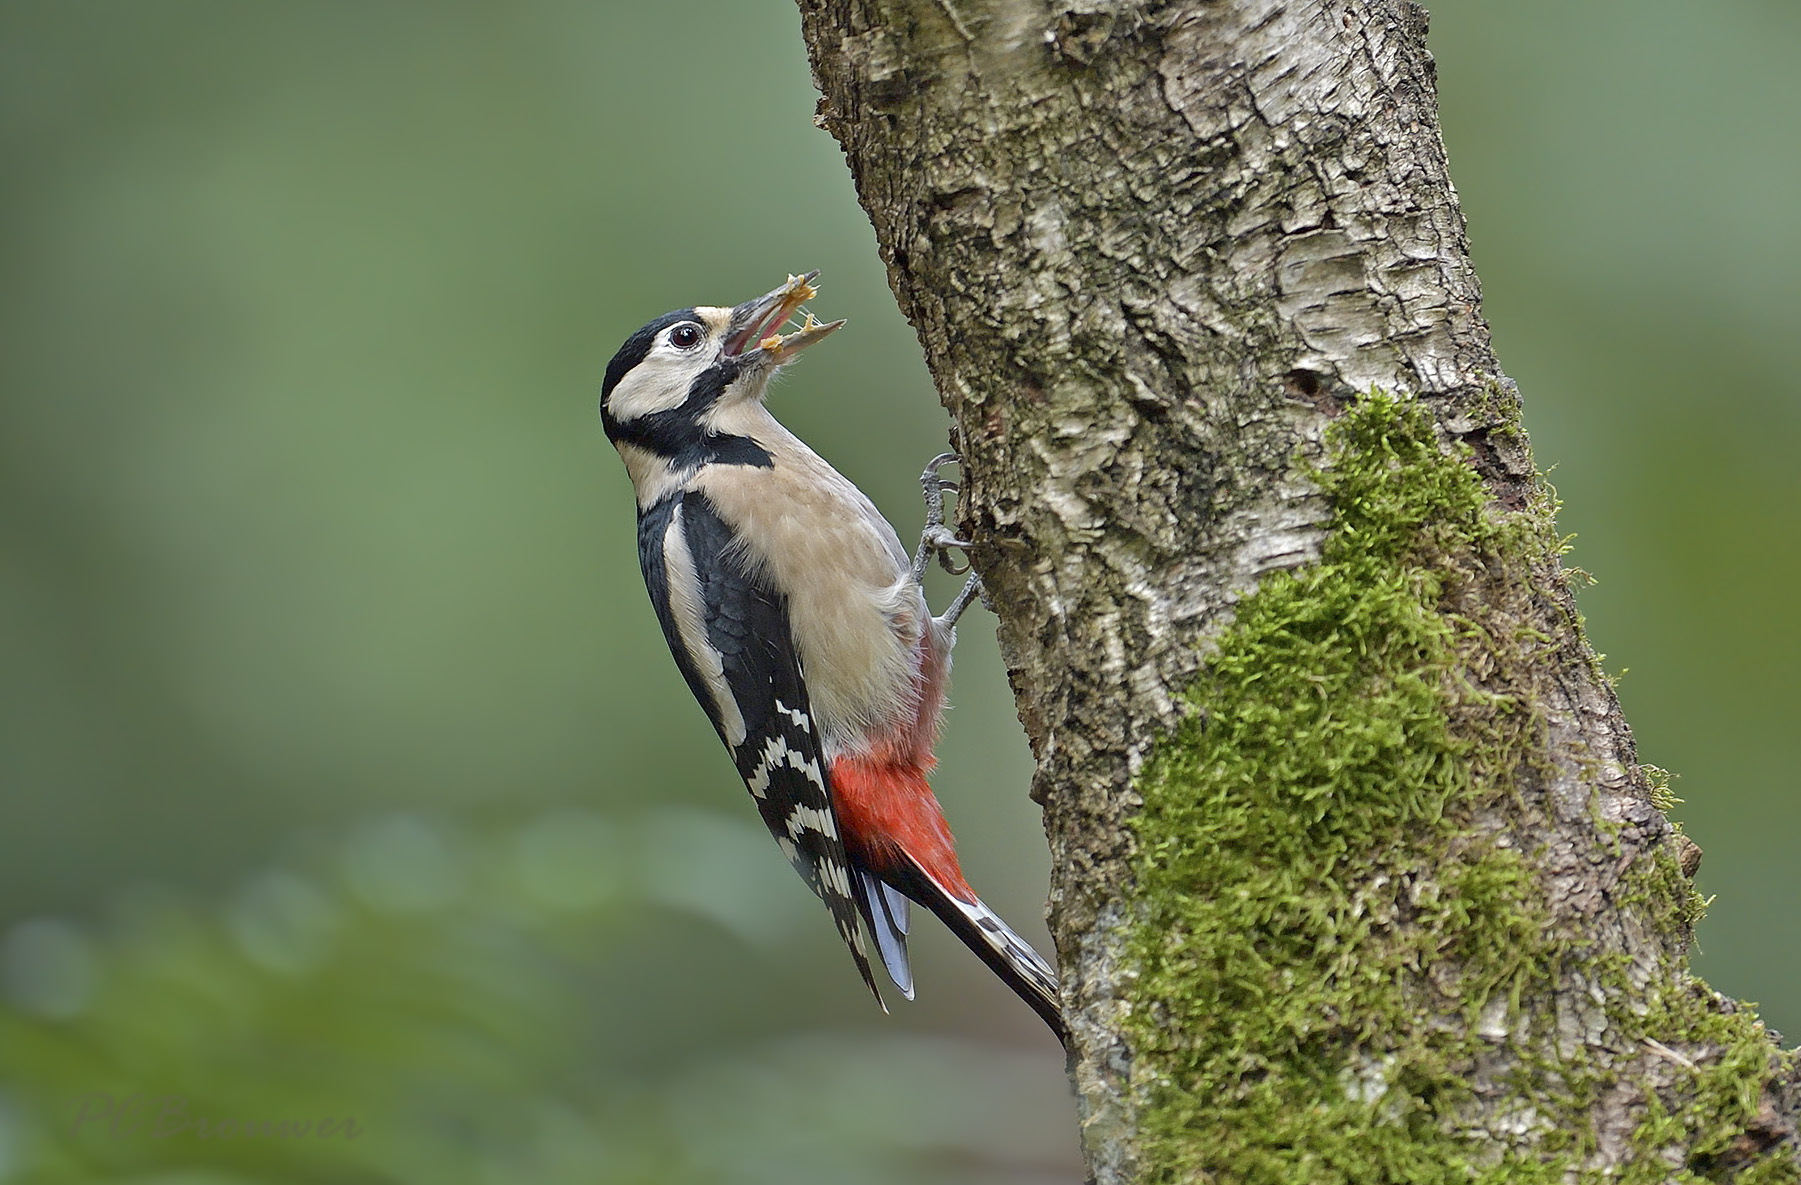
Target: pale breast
855, 611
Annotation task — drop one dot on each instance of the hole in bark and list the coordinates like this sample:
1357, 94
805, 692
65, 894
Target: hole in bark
1309, 386
1080, 35
1509, 490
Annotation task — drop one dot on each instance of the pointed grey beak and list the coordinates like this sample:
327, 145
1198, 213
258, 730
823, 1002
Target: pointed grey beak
756, 324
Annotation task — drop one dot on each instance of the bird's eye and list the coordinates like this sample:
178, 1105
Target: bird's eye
685, 336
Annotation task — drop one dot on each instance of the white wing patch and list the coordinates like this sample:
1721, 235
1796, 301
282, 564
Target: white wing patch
799, 717
834, 876
776, 754
805, 818
690, 622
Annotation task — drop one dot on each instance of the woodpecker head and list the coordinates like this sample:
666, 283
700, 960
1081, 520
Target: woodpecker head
672, 388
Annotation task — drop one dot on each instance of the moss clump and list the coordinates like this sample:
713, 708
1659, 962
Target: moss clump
1311, 893
1703, 1125
1663, 795
1324, 877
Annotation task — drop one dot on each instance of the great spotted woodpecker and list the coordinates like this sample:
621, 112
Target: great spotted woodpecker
800, 624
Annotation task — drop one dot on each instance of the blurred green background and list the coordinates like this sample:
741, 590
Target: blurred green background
343, 769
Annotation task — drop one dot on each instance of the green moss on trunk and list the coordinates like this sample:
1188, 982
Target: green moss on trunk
1319, 895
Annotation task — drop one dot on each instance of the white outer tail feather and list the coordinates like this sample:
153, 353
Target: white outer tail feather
1016, 950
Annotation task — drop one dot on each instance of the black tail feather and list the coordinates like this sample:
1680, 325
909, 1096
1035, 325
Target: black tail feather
980, 929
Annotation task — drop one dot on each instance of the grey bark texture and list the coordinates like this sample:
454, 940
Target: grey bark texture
1151, 251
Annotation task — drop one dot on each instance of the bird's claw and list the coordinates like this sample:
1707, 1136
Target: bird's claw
940, 541
937, 539
934, 487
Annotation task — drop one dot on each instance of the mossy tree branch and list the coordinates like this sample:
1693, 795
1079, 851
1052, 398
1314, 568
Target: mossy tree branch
1356, 875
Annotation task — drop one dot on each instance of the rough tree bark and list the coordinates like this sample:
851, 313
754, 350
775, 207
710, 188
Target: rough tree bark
1356, 874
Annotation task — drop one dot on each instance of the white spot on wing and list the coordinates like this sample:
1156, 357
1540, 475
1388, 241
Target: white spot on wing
776, 754
800, 718
806, 818
834, 876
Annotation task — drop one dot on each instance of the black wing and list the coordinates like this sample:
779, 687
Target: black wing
779, 757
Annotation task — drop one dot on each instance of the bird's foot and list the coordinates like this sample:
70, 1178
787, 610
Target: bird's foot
937, 539
972, 588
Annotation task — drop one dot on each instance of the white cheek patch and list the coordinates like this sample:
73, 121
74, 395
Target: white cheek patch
684, 602
659, 383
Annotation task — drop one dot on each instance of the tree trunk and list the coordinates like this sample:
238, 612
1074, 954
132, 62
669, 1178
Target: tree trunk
1356, 875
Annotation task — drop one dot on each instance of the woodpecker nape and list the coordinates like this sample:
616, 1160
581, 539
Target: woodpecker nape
800, 624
